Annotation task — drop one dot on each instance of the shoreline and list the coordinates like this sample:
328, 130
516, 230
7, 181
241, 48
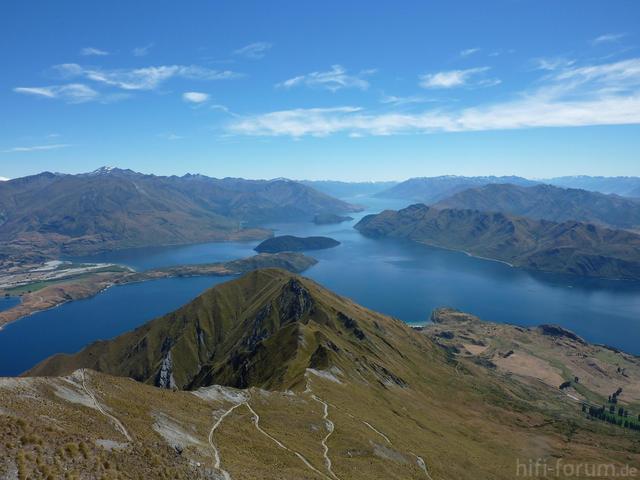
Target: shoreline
468, 254
60, 293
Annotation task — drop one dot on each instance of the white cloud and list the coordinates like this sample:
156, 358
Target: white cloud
147, 78
254, 50
457, 78
612, 76
195, 97
333, 80
37, 148
4, 179
552, 63
90, 51
468, 51
604, 94
142, 51
170, 136
72, 93
297, 123
398, 101
608, 38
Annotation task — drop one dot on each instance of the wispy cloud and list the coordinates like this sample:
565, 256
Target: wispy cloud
457, 78
602, 94
552, 63
171, 136
90, 51
225, 109
142, 51
297, 122
195, 97
147, 78
37, 148
608, 38
255, 51
468, 51
72, 93
398, 101
335, 79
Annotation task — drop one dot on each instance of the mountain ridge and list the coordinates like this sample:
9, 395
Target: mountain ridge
568, 247
432, 189
62, 214
549, 202
262, 330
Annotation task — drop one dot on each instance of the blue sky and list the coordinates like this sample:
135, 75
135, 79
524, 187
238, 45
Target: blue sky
343, 90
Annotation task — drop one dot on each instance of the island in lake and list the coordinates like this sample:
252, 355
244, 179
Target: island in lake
289, 243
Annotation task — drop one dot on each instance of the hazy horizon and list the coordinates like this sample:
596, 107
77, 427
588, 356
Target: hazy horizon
327, 179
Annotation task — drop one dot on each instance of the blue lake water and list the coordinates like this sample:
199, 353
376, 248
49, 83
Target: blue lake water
8, 302
71, 326
402, 279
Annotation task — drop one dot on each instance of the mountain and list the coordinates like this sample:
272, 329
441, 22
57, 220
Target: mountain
624, 186
289, 243
433, 189
567, 247
288, 380
549, 203
347, 189
264, 330
112, 208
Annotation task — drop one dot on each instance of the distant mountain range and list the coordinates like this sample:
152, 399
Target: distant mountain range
434, 189
112, 208
549, 203
624, 186
340, 189
568, 247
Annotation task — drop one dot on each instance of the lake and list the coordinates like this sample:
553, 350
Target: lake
8, 302
398, 278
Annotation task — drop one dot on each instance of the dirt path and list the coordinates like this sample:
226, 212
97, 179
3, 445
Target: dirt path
256, 422
422, 465
330, 427
216, 452
419, 460
378, 432
100, 408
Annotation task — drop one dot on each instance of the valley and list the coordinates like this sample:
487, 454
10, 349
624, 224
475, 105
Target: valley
320, 240
399, 278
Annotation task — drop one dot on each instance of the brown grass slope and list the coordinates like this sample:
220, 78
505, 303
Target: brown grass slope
568, 247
